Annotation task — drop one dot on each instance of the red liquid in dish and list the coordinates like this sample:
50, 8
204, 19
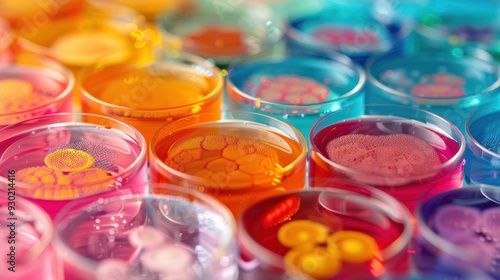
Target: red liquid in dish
403, 158
311, 236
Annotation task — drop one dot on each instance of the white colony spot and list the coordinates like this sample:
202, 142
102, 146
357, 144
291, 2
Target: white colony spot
112, 269
147, 237
169, 258
97, 246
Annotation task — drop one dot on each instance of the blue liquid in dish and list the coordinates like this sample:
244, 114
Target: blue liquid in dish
484, 167
451, 87
342, 81
359, 36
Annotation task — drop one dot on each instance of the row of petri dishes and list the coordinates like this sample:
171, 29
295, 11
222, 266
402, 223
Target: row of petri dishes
229, 29
271, 215
423, 158
332, 229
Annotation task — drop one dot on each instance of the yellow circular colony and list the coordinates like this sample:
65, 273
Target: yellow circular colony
354, 246
318, 262
298, 232
69, 160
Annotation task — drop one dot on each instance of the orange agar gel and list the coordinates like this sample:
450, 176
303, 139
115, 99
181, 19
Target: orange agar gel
98, 32
147, 98
237, 162
217, 40
166, 91
226, 161
320, 254
69, 173
84, 48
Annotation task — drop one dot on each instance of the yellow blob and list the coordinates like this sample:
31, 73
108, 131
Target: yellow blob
68, 160
17, 95
13, 89
318, 262
80, 49
298, 232
354, 246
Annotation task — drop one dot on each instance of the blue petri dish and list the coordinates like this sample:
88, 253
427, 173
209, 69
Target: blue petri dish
354, 31
296, 89
448, 24
483, 145
458, 233
449, 84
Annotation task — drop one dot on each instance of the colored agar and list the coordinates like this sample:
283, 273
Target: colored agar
159, 254
346, 37
441, 85
473, 230
226, 160
317, 252
85, 48
217, 40
288, 89
151, 88
70, 173
18, 95
281, 212
395, 155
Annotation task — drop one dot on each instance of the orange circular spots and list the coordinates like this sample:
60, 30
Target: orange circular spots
318, 262
68, 160
225, 160
39, 175
92, 176
354, 246
297, 232
18, 95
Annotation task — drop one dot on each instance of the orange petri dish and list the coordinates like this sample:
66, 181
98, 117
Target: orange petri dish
98, 32
35, 13
150, 8
6, 39
147, 97
236, 157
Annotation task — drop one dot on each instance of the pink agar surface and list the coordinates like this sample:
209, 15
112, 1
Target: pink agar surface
398, 156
